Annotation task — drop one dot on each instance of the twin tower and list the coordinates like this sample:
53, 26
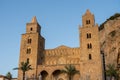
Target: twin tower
47, 63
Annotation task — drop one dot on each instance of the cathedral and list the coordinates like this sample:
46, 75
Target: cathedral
47, 63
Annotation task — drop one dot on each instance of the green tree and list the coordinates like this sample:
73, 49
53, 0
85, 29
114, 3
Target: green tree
9, 75
25, 66
112, 71
70, 70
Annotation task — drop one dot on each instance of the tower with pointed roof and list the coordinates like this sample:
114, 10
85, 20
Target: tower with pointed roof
32, 47
90, 48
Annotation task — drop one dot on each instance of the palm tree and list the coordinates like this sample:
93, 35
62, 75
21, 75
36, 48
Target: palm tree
112, 72
70, 70
25, 66
9, 75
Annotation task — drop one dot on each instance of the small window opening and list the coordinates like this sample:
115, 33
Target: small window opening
87, 21
29, 41
90, 56
28, 59
28, 51
89, 46
88, 35
31, 29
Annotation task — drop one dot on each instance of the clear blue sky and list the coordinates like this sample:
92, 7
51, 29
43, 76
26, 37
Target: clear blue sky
59, 20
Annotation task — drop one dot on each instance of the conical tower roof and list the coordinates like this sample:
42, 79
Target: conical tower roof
34, 20
88, 11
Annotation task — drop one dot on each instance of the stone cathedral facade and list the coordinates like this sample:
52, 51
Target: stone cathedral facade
48, 62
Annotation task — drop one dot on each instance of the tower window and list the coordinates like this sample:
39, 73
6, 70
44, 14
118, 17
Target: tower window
31, 29
29, 41
28, 59
88, 35
90, 56
87, 21
28, 51
89, 46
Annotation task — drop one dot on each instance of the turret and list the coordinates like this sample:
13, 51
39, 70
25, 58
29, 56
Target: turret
88, 19
90, 48
32, 47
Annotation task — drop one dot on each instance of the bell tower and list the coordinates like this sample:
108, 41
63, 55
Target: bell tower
32, 47
88, 19
33, 26
90, 48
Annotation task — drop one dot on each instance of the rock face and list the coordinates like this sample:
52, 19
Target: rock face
110, 40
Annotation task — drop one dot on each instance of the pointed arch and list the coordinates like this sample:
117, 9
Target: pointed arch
89, 46
56, 74
88, 35
44, 74
29, 41
90, 56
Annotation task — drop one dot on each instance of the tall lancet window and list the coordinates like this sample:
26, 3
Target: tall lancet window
88, 35
29, 41
89, 46
31, 29
28, 50
87, 21
90, 56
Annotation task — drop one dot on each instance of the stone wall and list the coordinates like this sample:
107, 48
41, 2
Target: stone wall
62, 55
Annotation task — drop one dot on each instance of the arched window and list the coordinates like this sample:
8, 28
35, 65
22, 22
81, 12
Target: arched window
31, 29
90, 56
87, 21
29, 41
28, 51
89, 46
28, 59
88, 35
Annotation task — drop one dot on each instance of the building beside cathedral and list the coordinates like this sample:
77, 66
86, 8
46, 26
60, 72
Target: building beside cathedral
48, 62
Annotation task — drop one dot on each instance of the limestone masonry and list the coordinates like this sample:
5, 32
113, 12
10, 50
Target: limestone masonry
48, 62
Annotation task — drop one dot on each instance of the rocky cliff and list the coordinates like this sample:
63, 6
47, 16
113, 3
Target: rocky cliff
110, 39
